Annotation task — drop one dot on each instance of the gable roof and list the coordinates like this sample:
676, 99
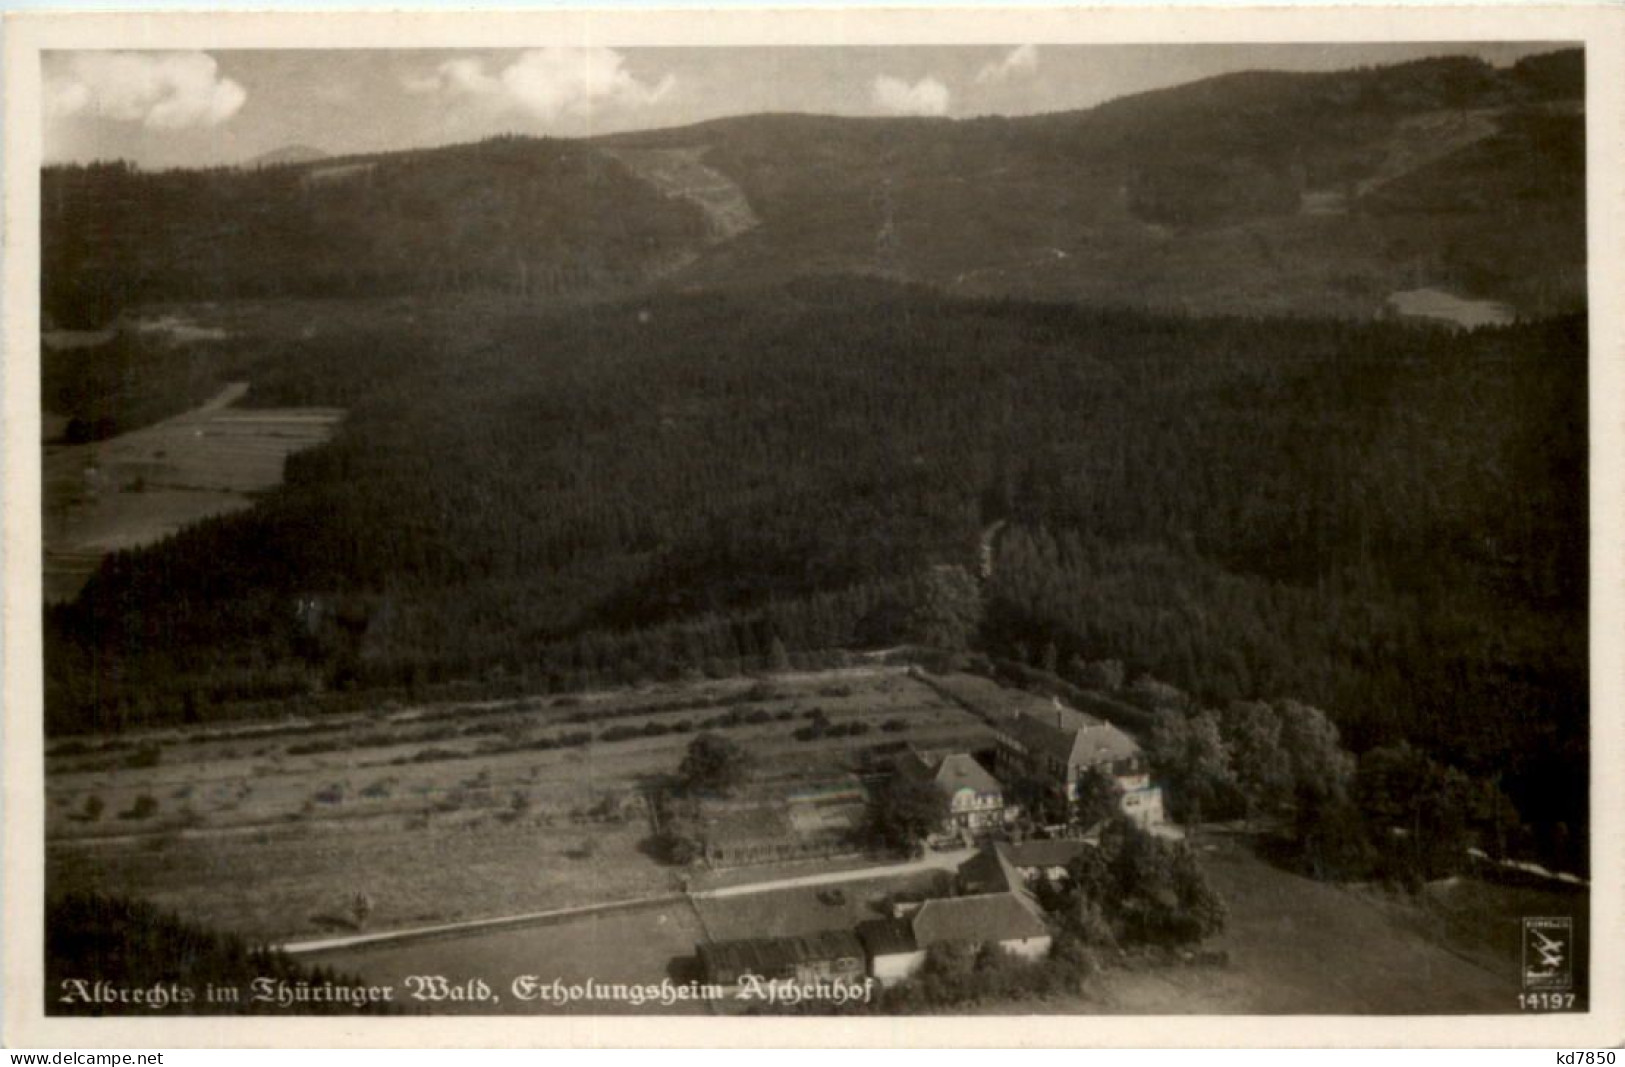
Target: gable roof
986, 917
1068, 735
990, 872
961, 771
1055, 852
887, 937
950, 773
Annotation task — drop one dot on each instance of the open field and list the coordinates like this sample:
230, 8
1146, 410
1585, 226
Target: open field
1296, 946
140, 487
269, 828
449, 812
1441, 306
1293, 945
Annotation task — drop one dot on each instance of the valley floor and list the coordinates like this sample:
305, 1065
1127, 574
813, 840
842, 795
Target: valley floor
444, 814
1293, 946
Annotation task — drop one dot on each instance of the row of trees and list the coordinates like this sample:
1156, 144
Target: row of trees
1394, 812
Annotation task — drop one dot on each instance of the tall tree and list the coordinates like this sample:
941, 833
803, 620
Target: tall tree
1262, 768
903, 810
713, 764
1099, 797
1188, 754
947, 609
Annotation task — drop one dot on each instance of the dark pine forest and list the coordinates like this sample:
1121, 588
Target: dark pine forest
1386, 520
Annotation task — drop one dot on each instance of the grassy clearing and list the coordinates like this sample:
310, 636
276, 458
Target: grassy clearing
1301, 947
139, 487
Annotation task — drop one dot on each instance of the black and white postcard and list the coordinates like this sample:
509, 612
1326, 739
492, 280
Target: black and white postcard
773, 526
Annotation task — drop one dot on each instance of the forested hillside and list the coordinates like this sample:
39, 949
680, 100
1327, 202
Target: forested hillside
546, 219
1260, 193
1386, 520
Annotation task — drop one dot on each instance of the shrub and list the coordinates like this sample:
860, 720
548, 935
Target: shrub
313, 748
360, 908
332, 793
432, 755
145, 807
675, 849
147, 755
892, 726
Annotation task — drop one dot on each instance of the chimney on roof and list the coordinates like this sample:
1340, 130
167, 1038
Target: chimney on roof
1057, 702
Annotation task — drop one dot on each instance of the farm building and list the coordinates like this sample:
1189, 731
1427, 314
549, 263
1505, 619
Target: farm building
832, 956
989, 871
975, 798
890, 949
895, 949
1055, 744
1042, 859
1002, 919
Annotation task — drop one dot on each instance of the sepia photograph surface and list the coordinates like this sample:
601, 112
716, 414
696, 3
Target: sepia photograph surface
808, 531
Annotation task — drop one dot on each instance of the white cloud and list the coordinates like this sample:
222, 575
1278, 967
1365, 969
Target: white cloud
160, 90
925, 97
1023, 59
546, 82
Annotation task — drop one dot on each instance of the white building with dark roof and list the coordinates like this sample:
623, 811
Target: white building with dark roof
976, 801
895, 948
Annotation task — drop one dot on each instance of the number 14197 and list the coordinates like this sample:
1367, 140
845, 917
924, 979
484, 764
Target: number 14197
1546, 1001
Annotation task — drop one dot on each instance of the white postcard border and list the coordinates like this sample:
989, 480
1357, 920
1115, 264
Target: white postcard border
1602, 29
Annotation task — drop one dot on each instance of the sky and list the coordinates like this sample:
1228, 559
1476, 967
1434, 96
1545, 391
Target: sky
184, 109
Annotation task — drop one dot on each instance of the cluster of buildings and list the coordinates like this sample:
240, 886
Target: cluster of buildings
993, 905
992, 901
1044, 743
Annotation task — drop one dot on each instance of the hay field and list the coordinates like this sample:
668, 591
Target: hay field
140, 487
440, 812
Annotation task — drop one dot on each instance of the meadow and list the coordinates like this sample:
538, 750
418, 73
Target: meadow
270, 828
137, 488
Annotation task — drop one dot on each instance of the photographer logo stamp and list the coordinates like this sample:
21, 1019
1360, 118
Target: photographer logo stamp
1548, 952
